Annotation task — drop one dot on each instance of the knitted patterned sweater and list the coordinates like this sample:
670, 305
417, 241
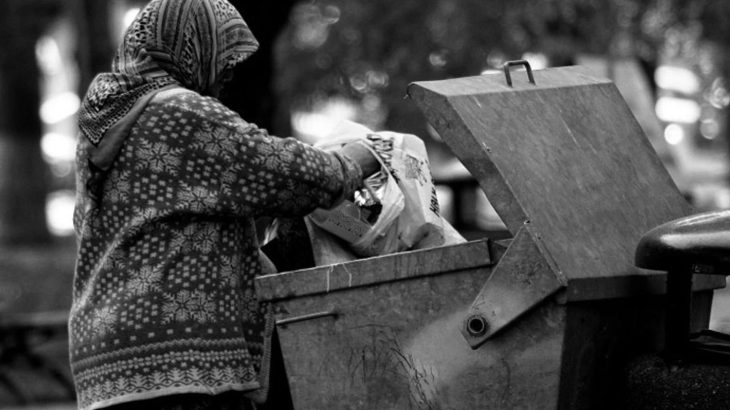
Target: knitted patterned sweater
163, 296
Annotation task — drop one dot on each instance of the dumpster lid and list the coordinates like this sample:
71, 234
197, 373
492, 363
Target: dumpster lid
558, 153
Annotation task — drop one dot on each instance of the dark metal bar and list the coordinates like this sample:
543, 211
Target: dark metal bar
679, 306
309, 316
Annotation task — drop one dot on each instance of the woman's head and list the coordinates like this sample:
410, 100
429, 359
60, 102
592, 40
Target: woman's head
196, 42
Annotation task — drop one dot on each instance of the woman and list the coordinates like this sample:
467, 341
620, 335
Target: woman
169, 183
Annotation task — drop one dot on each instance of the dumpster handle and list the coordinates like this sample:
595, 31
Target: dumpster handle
506, 67
329, 312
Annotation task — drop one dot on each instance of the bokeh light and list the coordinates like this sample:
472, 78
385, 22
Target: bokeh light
59, 107
674, 134
59, 212
677, 79
674, 109
129, 17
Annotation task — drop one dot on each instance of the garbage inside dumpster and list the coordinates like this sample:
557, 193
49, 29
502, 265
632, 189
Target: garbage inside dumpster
542, 320
398, 209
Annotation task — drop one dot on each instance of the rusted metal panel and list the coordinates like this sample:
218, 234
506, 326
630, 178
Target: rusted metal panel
397, 345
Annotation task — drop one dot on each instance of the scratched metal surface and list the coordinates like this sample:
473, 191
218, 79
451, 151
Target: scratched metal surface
397, 345
566, 154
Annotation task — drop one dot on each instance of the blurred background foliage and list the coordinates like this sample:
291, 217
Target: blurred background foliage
366, 50
325, 60
354, 59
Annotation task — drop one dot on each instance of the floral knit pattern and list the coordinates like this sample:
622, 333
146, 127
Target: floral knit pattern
164, 299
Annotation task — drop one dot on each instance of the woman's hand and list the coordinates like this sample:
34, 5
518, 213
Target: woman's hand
363, 156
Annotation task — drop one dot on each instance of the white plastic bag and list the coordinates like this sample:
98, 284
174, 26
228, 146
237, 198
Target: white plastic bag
407, 159
352, 223
410, 212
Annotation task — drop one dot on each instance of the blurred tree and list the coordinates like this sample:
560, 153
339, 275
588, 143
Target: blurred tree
713, 16
695, 34
368, 51
23, 174
94, 48
251, 92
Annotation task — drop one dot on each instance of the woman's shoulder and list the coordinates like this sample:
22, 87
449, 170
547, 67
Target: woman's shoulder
195, 106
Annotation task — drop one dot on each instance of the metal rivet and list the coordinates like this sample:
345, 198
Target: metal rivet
476, 325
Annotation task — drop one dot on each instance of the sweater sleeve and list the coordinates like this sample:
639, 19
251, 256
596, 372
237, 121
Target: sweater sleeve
193, 155
271, 176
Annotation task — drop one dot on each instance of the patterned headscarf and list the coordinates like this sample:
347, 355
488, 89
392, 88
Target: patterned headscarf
188, 43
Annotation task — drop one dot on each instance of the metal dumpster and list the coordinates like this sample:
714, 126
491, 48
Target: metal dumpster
545, 319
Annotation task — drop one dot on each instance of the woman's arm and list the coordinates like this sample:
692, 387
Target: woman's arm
271, 176
216, 163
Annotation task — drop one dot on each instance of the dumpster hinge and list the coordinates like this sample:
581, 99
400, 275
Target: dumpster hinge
523, 277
